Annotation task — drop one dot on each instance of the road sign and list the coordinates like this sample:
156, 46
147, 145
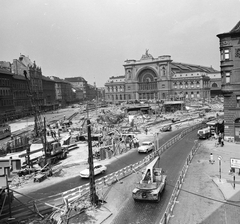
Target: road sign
235, 163
219, 157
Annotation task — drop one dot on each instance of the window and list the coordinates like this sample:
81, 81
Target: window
198, 84
129, 96
225, 54
192, 95
175, 85
238, 101
116, 97
214, 85
186, 85
163, 86
198, 95
192, 85
181, 86
227, 77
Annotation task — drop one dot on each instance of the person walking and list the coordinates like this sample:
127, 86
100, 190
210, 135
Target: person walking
222, 142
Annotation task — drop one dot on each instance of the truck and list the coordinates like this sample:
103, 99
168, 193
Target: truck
204, 133
54, 152
152, 184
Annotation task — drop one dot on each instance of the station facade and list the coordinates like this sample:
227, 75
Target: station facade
159, 79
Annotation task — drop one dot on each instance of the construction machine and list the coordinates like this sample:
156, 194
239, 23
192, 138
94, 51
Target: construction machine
152, 183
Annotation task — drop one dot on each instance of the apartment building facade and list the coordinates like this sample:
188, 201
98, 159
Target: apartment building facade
230, 75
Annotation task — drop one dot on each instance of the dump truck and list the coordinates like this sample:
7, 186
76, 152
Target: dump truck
152, 183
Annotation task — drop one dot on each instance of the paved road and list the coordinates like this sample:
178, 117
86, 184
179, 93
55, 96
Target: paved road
129, 158
172, 162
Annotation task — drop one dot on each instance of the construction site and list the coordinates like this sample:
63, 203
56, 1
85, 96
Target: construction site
53, 146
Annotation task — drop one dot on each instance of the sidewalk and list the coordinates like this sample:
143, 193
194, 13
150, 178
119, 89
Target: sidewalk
205, 198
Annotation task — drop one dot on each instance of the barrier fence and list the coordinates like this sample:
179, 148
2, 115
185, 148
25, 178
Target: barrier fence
112, 178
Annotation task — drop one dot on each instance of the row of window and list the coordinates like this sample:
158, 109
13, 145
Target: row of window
6, 103
5, 82
176, 85
115, 88
23, 103
181, 85
18, 94
19, 86
5, 92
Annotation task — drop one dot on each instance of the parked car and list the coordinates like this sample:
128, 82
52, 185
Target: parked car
175, 120
98, 168
146, 147
166, 128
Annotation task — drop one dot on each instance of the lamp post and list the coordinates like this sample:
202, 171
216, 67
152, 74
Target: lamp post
93, 195
220, 160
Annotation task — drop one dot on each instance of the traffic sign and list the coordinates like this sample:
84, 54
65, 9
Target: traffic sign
219, 157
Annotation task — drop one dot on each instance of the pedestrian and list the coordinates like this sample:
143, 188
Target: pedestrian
211, 158
146, 130
219, 139
222, 142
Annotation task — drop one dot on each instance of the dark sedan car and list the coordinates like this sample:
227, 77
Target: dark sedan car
166, 128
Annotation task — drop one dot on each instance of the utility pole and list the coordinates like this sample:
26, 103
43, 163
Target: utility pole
9, 199
45, 140
93, 195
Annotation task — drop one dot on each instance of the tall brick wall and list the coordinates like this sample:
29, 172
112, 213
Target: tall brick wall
231, 113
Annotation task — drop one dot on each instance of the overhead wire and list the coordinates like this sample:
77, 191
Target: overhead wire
206, 197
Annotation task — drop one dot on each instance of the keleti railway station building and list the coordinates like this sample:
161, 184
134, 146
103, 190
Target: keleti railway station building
160, 79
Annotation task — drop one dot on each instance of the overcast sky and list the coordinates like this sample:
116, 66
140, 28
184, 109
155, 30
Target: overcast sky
93, 38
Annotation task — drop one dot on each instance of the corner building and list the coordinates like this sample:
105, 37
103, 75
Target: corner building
230, 74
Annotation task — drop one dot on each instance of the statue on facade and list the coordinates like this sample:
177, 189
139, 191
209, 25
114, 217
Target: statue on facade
147, 55
147, 52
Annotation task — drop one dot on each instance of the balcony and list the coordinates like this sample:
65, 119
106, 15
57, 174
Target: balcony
227, 90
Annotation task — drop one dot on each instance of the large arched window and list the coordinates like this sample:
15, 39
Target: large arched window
214, 85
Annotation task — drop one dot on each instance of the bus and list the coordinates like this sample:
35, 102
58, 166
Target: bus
5, 131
